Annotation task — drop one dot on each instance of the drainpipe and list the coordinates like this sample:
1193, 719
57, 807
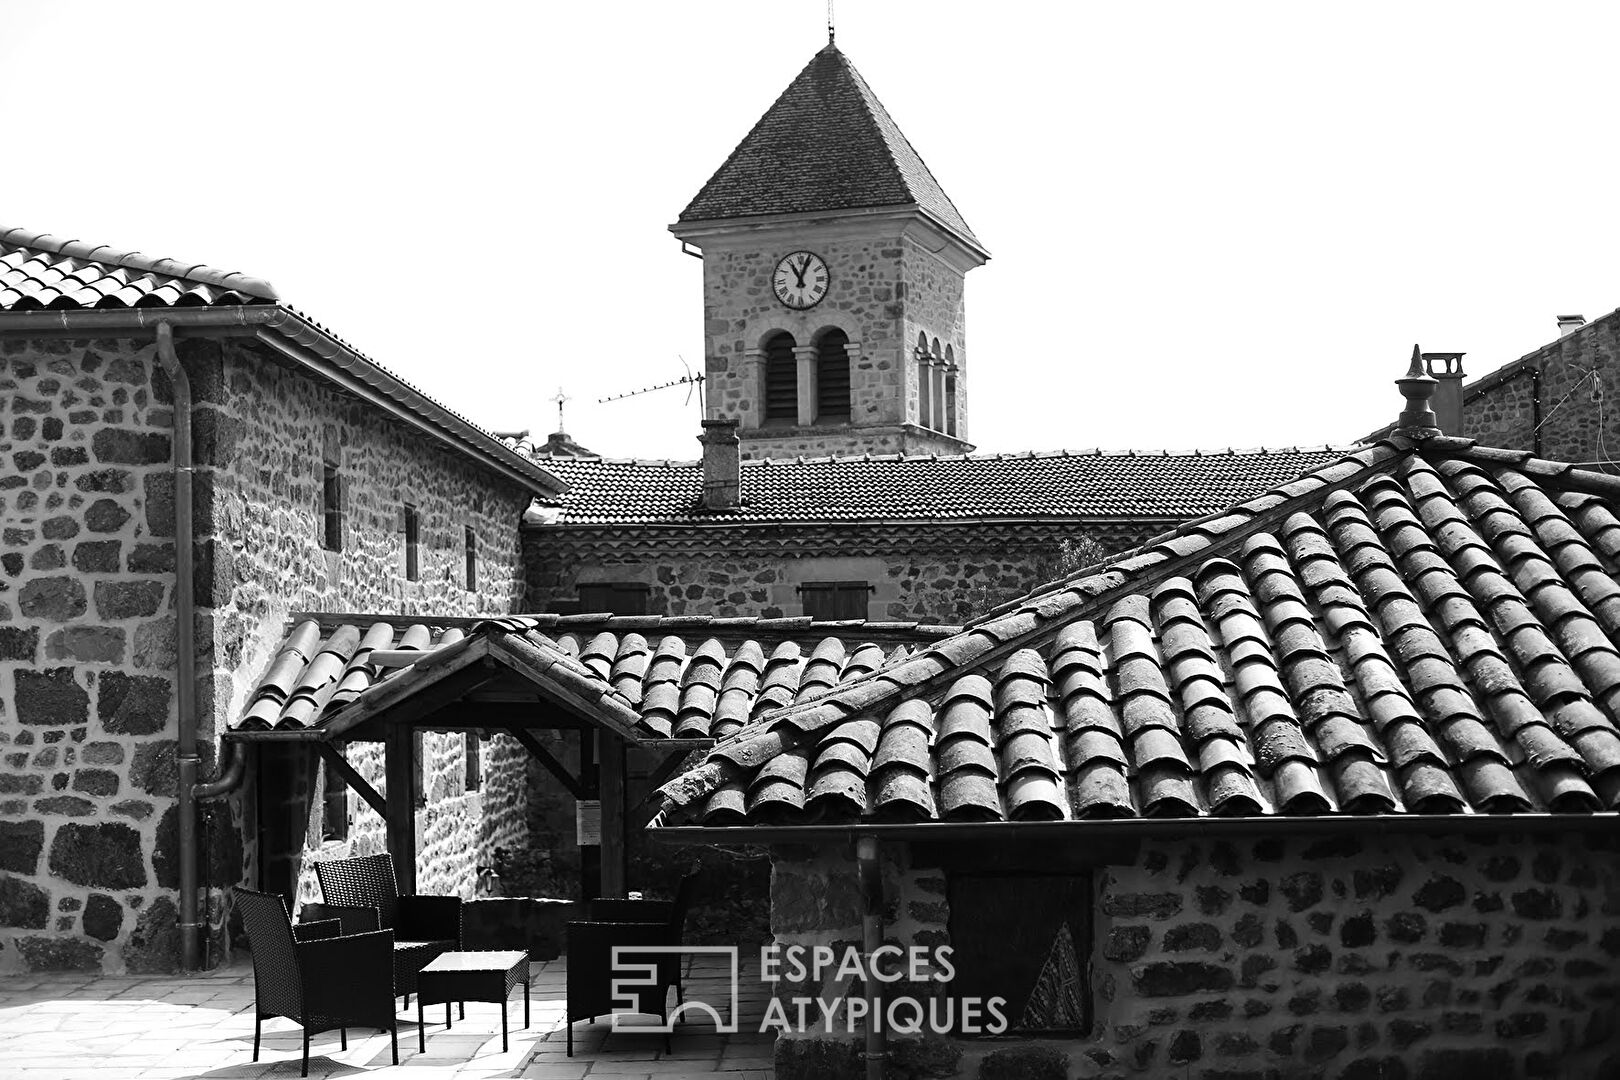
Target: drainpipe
185, 607
866, 858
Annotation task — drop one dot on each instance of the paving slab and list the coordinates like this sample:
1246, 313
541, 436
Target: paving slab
72, 1025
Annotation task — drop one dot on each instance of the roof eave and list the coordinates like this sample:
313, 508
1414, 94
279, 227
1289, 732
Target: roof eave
311, 346
1165, 828
695, 230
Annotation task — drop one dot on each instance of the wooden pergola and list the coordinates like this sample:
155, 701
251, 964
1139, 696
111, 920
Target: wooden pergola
489, 682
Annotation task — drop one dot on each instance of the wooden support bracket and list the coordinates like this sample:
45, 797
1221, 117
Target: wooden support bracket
547, 759
341, 766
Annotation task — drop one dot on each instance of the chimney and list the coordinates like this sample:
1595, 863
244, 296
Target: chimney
1447, 370
722, 465
1417, 386
1568, 324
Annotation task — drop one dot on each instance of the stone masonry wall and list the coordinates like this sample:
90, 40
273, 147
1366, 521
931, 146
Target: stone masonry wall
1342, 957
86, 657
915, 578
1580, 399
883, 289
270, 435
837, 441
88, 866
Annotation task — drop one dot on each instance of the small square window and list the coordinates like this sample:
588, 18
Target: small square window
835, 600
1025, 938
620, 598
331, 508
413, 537
471, 540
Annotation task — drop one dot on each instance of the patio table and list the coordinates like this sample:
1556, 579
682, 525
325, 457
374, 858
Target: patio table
471, 976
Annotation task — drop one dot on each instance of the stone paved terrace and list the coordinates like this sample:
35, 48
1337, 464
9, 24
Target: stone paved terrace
72, 1026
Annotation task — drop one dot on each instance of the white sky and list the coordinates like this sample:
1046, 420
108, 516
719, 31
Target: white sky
1212, 224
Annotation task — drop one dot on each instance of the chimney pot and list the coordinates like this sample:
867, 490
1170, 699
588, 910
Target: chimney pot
1447, 371
1568, 324
722, 464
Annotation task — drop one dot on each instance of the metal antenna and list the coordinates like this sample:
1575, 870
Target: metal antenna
831, 26
560, 399
693, 381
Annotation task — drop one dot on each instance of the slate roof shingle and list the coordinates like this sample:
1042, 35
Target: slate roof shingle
1085, 484
1417, 628
826, 144
43, 272
683, 677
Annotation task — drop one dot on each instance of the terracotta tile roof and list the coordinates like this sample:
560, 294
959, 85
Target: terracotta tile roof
826, 144
1081, 484
1408, 630
686, 677
39, 271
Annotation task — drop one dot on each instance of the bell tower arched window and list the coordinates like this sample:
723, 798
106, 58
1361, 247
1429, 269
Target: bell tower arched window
781, 379
924, 381
950, 391
832, 376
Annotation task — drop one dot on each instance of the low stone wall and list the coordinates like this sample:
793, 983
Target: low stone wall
1345, 956
917, 575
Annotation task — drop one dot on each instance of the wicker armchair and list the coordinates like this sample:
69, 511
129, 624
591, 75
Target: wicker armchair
591, 972
670, 914
315, 975
423, 926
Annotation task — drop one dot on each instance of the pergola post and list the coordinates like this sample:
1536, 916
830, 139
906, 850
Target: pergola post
590, 855
615, 821
399, 796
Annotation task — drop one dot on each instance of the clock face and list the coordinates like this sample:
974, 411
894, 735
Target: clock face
800, 280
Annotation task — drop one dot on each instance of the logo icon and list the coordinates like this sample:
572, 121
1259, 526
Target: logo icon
642, 971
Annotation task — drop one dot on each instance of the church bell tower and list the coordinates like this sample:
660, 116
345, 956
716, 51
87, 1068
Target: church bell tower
833, 272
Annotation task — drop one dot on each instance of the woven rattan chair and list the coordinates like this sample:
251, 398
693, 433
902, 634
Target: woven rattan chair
315, 975
423, 926
591, 972
670, 914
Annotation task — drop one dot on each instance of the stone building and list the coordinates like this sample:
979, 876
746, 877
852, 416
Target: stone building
1325, 785
833, 272
928, 539
1553, 401
319, 482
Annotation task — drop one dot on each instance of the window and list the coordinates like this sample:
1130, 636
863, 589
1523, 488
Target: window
950, 391
835, 599
925, 380
331, 508
413, 538
472, 745
334, 802
781, 379
832, 376
471, 540
621, 598
1025, 938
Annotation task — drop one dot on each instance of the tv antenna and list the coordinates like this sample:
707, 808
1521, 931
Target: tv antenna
692, 380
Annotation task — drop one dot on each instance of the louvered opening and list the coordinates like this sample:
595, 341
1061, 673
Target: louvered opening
781, 379
832, 377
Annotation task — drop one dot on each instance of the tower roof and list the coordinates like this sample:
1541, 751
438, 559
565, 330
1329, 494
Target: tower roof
826, 144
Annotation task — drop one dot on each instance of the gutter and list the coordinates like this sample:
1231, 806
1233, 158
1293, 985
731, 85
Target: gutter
311, 346
1140, 828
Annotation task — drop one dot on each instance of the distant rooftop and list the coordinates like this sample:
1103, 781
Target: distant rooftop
1059, 484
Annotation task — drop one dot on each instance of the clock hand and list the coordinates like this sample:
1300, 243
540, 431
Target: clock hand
799, 273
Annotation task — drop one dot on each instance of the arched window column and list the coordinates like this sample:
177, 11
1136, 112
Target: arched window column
805, 357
